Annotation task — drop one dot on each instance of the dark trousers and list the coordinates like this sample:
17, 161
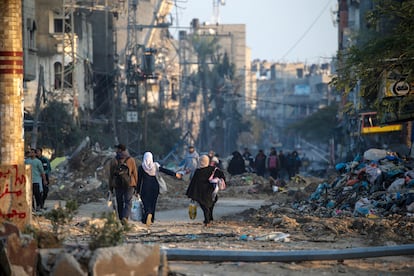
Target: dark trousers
45, 190
274, 173
208, 211
124, 201
38, 200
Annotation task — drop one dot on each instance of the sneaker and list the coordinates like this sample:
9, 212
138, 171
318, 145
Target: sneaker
149, 220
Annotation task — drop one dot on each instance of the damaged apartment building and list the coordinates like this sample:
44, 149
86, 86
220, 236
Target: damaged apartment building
74, 52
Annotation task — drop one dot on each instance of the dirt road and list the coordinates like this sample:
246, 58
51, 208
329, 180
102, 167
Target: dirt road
234, 229
224, 207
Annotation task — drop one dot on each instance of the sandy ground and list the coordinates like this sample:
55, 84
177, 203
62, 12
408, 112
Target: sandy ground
234, 229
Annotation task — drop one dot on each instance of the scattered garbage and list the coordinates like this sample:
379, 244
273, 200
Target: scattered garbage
379, 184
276, 236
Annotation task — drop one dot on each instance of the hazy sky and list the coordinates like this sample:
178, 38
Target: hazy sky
277, 30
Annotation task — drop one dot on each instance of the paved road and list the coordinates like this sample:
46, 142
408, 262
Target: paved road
223, 207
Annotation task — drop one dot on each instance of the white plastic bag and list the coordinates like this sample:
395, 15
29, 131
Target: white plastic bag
111, 203
162, 183
136, 208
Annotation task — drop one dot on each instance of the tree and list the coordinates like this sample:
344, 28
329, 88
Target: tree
163, 134
319, 127
57, 129
221, 122
384, 47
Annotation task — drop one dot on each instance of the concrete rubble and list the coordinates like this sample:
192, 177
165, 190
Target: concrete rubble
20, 255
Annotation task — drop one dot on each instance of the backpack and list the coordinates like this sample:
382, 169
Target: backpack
272, 162
122, 175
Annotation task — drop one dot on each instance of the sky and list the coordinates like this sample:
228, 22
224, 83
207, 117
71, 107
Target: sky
276, 30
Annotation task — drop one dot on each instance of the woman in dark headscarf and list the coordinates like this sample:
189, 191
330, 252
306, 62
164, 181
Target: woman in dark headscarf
236, 164
148, 186
201, 190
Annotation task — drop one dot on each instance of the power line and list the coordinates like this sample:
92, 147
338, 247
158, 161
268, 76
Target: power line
306, 31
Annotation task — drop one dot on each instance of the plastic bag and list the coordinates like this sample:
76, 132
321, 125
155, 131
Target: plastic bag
136, 209
110, 203
162, 183
222, 184
192, 210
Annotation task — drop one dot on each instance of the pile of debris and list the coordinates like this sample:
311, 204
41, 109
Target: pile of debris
378, 184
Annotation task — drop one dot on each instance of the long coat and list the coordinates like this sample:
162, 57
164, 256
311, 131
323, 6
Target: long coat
149, 189
200, 189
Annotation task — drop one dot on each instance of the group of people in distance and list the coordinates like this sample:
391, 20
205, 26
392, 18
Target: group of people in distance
276, 164
144, 182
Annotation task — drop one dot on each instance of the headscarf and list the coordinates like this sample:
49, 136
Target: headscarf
149, 166
204, 161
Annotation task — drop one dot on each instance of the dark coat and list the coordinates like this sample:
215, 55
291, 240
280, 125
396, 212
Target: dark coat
200, 189
149, 189
236, 164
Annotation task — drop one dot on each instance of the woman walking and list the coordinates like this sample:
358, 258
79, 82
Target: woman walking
148, 187
201, 190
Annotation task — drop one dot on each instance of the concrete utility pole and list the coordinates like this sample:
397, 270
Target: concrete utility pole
11, 83
14, 191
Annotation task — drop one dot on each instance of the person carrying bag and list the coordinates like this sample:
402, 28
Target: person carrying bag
148, 186
201, 190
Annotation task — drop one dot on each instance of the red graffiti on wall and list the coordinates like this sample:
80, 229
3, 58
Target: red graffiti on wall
12, 185
13, 213
17, 179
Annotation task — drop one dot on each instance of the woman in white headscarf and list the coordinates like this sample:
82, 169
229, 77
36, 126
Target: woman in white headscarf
148, 187
201, 190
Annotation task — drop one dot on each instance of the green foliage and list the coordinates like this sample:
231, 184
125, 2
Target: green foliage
205, 46
112, 233
60, 216
384, 46
162, 131
319, 126
219, 86
58, 131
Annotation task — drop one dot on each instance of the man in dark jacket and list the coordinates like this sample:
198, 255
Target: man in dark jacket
260, 163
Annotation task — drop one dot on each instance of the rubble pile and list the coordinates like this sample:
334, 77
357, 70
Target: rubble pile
373, 195
84, 178
376, 185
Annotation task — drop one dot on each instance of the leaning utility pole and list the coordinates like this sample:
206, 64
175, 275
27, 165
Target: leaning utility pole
15, 199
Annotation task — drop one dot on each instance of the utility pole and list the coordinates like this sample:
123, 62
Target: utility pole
15, 185
132, 86
11, 83
40, 88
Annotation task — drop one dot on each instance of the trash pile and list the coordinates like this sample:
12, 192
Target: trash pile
377, 184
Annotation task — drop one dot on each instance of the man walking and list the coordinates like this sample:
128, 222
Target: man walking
47, 168
123, 192
38, 177
191, 161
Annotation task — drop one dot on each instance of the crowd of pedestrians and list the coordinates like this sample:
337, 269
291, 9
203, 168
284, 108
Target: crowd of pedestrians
143, 179
276, 164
